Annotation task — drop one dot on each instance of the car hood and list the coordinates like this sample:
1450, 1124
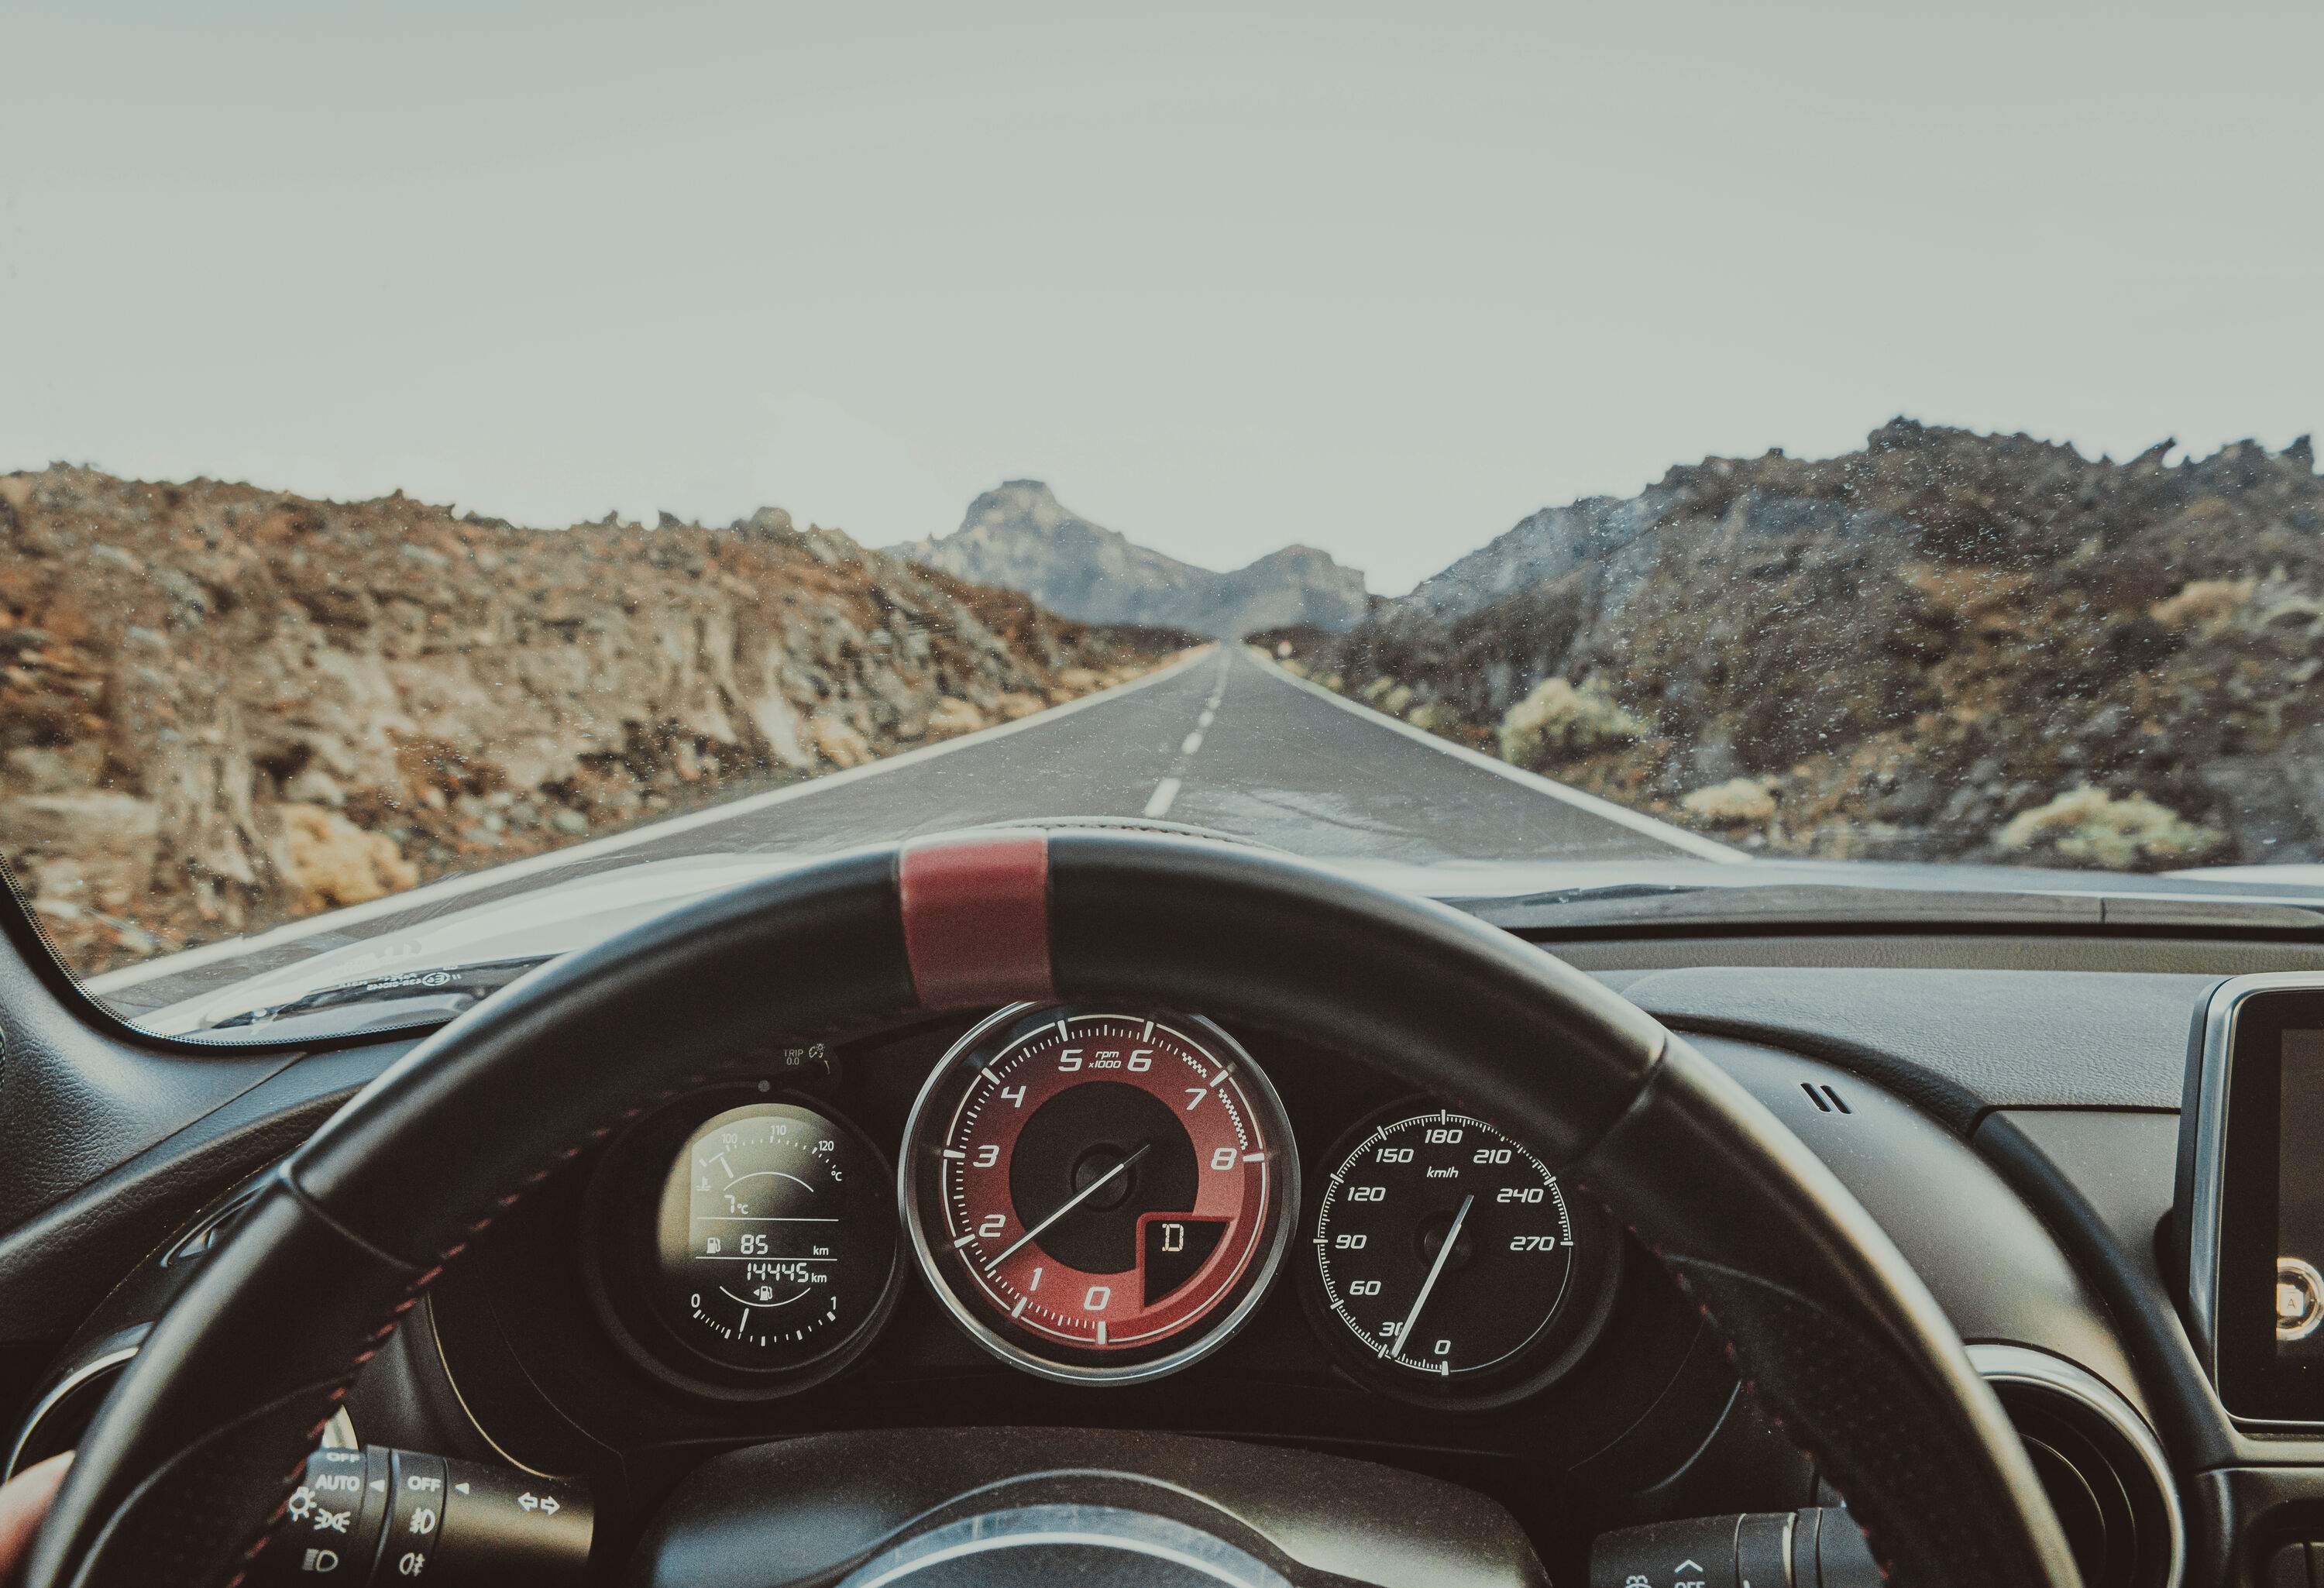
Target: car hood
1559, 898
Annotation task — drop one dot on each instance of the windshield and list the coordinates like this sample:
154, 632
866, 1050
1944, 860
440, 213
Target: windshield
530, 468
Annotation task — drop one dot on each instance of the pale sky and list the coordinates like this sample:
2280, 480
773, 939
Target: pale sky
1380, 279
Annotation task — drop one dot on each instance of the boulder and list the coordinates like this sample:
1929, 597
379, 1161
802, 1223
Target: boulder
839, 742
118, 831
1736, 802
952, 716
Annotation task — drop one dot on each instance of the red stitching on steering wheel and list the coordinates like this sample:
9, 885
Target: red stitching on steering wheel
378, 1339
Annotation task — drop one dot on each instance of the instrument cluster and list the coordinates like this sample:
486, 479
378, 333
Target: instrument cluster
1093, 1196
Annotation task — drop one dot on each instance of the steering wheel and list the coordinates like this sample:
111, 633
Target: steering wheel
206, 1432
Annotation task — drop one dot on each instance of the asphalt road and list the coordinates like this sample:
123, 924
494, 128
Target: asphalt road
1226, 742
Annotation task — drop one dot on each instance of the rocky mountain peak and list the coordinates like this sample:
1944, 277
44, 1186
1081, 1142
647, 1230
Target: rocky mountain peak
223, 707
1030, 500
1021, 537
1939, 645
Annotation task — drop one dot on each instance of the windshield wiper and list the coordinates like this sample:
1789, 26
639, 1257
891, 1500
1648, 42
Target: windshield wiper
449, 988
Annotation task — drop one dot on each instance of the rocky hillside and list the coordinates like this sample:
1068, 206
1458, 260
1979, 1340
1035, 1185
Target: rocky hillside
1021, 537
223, 707
1945, 645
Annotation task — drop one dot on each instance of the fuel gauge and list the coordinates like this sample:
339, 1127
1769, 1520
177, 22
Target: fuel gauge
776, 1241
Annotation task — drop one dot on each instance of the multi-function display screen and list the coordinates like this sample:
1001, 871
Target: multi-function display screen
2299, 1197
2255, 1174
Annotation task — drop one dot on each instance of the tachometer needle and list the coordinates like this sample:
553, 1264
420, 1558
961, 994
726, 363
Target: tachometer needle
1434, 1269
1082, 1196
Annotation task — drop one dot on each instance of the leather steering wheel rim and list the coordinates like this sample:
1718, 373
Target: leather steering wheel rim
208, 1426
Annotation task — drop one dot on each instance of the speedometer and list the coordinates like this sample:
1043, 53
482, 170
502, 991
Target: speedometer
1099, 1196
1447, 1259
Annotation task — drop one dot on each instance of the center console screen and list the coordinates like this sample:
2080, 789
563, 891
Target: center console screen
2252, 1195
2299, 1196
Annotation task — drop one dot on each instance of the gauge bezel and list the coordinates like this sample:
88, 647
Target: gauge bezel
621, 1213
1062, 1363
1573, 1325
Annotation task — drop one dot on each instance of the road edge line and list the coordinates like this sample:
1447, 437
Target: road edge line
463, 882
1678, 837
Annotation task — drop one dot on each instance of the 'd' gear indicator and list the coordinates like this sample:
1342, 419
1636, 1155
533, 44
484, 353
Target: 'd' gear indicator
1175, 1250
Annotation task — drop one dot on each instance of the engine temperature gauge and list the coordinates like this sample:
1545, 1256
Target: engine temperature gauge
775, 1244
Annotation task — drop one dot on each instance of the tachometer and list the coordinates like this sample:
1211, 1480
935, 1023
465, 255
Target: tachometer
1099, 1196
1447, 1259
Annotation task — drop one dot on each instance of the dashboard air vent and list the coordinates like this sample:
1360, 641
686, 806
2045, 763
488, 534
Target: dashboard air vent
1826, 1099
2105, 1471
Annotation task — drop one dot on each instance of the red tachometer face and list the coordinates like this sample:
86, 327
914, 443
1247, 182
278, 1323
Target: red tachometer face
1099, 1195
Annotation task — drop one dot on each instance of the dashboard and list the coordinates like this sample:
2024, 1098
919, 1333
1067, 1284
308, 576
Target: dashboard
1052, 1215
1096, 1197
1062, 1219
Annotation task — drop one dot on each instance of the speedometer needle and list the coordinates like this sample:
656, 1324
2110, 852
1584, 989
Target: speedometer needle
1084, 1194
1434, 1269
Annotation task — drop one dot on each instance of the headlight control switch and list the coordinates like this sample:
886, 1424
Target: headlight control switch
376, 1516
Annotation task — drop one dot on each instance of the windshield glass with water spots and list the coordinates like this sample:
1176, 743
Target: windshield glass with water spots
470, 480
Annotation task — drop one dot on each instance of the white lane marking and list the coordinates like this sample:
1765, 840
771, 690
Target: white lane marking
1157, 804
613, 842
1677, 836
